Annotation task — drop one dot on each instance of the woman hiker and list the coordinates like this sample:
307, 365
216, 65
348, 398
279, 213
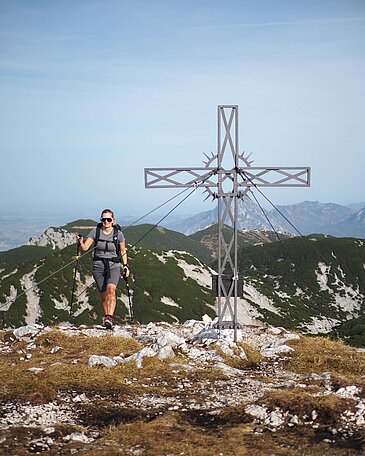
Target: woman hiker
110, 255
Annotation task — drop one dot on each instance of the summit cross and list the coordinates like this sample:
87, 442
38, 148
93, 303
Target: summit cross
227, 177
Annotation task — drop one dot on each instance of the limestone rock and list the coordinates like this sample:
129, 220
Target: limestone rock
95, 360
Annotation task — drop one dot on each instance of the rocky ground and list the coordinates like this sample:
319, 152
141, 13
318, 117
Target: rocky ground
178, 389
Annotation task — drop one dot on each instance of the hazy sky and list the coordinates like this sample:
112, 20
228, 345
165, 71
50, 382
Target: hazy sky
93, 91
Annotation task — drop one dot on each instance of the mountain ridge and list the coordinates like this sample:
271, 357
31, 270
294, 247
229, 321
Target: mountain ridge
306, 217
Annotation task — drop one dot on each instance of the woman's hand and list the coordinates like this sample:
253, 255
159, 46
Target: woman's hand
126, 271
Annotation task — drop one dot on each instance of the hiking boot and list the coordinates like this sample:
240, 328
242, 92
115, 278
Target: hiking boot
108, 322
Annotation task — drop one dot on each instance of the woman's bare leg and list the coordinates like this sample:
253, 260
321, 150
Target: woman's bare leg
108, 299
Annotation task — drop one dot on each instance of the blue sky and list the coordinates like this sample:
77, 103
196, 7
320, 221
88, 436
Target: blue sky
91, 92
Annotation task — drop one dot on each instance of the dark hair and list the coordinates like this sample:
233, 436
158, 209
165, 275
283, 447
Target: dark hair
107, 210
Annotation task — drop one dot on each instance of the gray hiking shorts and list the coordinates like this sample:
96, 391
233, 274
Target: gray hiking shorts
99, 274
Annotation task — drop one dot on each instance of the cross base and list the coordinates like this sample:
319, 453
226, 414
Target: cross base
227, 325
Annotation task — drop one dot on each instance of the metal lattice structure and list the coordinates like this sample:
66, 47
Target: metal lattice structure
227, 176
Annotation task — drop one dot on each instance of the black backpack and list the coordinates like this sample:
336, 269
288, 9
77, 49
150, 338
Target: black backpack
116, 228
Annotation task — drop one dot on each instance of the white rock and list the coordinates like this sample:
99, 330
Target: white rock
228, 370
294, 420
275, 419
227, 347
360, 405
80, 398
201, 355
148, 352
44, 443
189, 323
206, 334
95, 360
313, 377
271, 351
348, 391
48, 429
314, 415
274, 330
166, 352
257, 411
78, 437
55, 349
36, 370
169, 338
119, 359
121, 332
27, 331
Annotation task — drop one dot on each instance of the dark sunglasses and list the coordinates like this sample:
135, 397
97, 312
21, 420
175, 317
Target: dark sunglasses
106, 219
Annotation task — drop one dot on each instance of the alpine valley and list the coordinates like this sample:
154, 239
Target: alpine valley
314, 284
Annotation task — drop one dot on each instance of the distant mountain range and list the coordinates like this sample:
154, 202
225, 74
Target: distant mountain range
314, 284
306, 217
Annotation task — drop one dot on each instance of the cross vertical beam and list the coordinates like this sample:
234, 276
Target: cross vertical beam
227, 215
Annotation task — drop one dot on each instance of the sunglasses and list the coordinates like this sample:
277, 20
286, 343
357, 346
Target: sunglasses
106, 219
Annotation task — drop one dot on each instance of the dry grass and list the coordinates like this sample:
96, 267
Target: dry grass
253, 357
172, 434
318, 354
131, 429
60, 372
300, 403
81, 346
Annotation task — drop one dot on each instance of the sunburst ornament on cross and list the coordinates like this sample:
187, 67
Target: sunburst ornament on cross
227, 178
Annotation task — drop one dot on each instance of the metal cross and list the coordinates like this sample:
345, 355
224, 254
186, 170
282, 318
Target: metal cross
232, 181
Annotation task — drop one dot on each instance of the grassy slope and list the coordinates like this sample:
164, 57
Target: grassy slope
12, 258
292, 264
209, 237
352, 331
164, 239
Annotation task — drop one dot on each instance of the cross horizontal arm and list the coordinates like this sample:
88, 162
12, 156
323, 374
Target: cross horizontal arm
179, 177
205, 177
274, 176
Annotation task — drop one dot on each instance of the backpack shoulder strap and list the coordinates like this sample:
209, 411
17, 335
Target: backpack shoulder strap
116, 228
97, 234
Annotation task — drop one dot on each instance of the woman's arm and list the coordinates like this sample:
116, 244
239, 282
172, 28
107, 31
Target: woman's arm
124, 258
85, 245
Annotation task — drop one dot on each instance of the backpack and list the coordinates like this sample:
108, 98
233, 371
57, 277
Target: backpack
116, 228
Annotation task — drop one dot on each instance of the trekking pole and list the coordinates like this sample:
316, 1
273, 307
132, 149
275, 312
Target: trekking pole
74, 280
129, 298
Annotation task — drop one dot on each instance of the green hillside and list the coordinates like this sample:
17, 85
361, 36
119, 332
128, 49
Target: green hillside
164, 239
352, 331
81, 226
14, 257
209, 237
289, 274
